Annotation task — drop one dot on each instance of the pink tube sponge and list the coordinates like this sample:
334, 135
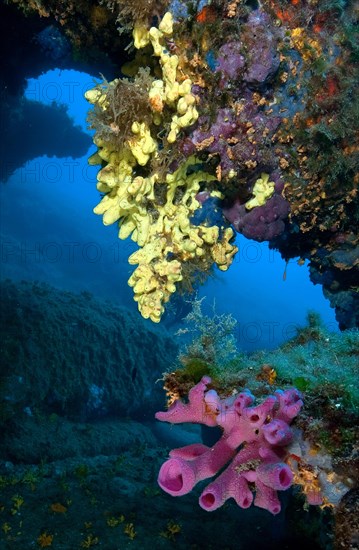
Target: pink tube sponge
197, 410
277, 432
252, 447
277, 476
177, 477
189, 465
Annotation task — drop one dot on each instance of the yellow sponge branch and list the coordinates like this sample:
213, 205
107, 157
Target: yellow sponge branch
263, 189
156, 210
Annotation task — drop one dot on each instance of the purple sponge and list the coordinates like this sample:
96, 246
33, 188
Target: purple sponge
252, 445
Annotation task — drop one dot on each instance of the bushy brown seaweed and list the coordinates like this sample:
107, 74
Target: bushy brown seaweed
127, 101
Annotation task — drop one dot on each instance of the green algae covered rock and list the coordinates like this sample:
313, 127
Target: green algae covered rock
73, 356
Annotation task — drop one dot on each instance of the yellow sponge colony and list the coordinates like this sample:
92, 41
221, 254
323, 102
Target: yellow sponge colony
156, 210
263, 189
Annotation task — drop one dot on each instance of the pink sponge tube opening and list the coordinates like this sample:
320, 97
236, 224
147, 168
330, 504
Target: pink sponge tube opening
277, 432
212, 497
176, 477
242, 494
229, 485
277, 476
267, 498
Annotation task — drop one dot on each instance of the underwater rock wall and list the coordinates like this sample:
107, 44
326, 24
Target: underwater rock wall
73, 356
